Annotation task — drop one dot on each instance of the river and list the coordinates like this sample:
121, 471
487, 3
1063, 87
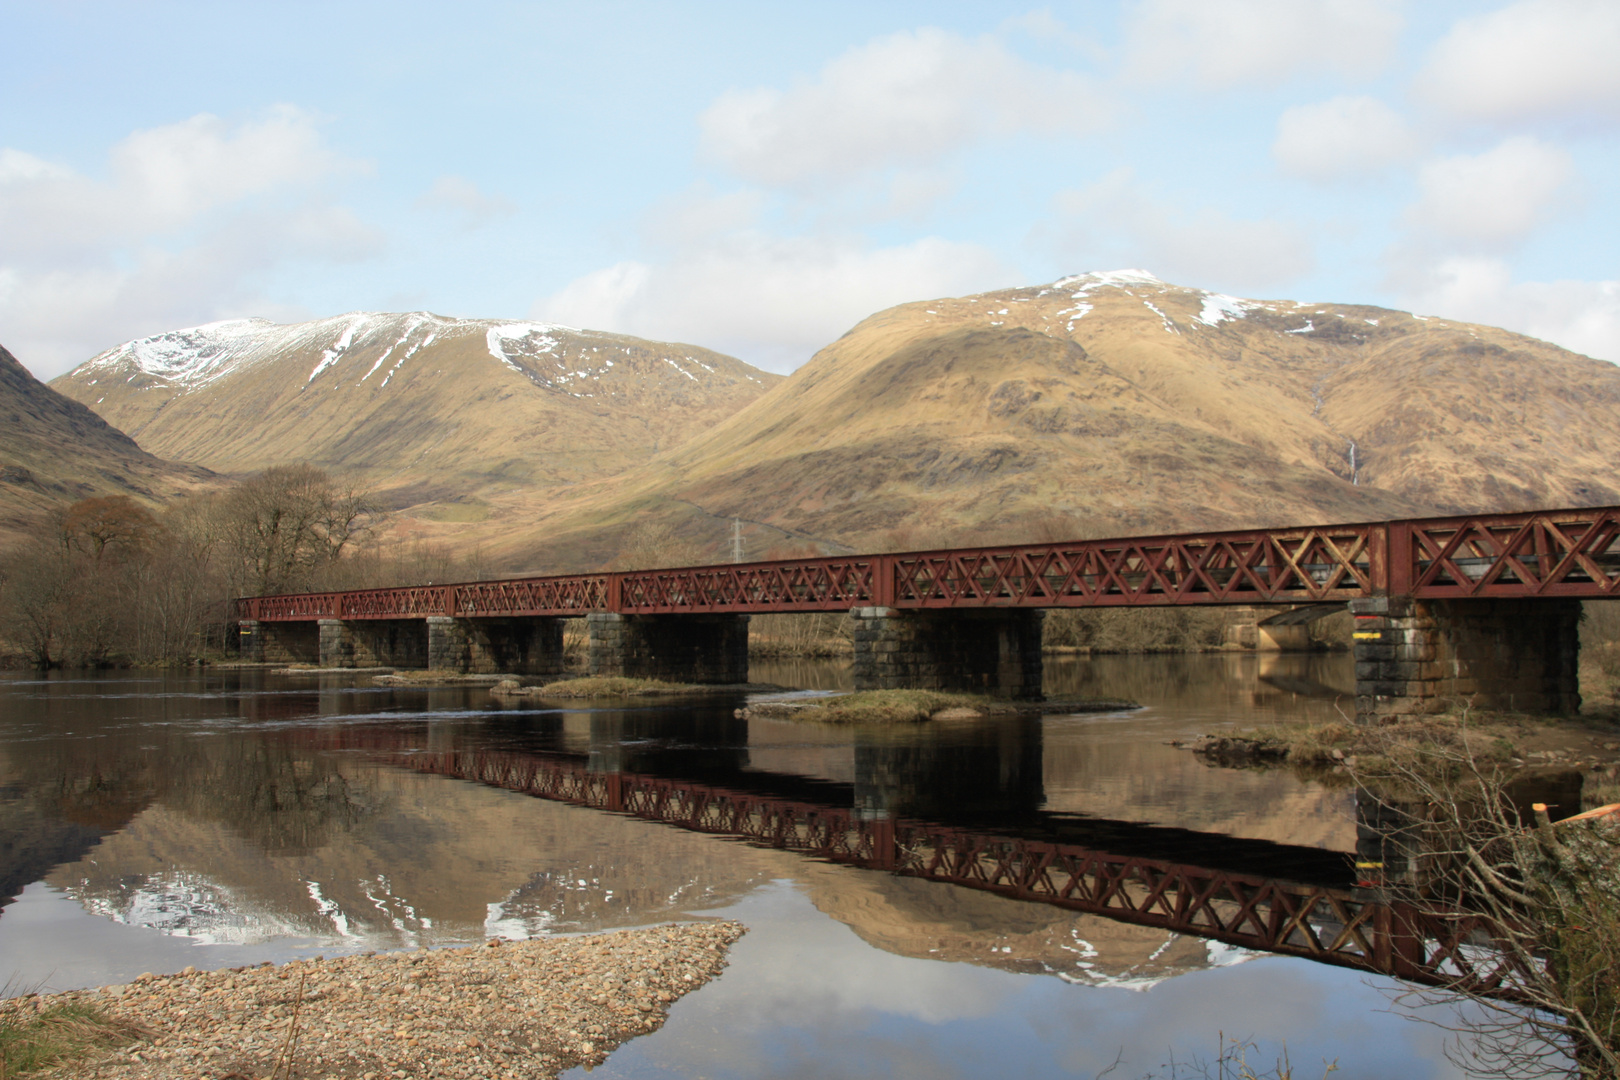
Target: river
150, 821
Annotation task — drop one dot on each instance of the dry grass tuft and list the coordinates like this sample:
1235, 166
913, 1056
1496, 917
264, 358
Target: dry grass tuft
882, 707
33, 1038
599, 686
1372, 751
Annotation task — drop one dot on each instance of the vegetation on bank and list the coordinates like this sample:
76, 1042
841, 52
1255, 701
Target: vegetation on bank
418, 677
912, 707
595, 686
1590, 742
1454, 808
824, 634
1544, 902
36, 1036
108, 582
881, 707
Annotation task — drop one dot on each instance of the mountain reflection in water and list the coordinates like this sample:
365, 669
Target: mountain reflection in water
255, 815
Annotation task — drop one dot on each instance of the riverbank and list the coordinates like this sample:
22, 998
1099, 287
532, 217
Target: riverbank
532, 1008
608, 686
1588, 743
912, 706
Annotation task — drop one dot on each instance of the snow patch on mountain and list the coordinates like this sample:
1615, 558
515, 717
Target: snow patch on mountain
191, 357
524, 339
1217, 308
332, 355
1097, 279
410, 328
1169, 326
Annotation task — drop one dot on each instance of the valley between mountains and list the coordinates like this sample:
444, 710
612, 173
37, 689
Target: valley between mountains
1105, 403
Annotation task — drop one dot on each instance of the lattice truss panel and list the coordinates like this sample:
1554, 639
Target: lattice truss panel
413, 602
1289, 565
1553, 553
558, 596
1335, 926
812, 585
291, 608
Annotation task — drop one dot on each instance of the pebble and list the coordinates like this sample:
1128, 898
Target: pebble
529, 1009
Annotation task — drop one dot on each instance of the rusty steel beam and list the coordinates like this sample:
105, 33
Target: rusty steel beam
1345, 927
1542, 553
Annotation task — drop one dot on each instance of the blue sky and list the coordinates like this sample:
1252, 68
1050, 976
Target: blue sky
756, 178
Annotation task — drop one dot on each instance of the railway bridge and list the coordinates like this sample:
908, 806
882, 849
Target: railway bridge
1482, 608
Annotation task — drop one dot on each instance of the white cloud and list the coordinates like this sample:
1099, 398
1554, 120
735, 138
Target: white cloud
771, 300
18, 167
1580, 315
1241, 42
158, 180
1342, 137
1116, 223
467, 200
1495, 197
700, 214
188, 219
1535, 58
905, 100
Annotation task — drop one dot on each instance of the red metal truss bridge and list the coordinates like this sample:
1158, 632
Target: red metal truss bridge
1541, 553
1347, 927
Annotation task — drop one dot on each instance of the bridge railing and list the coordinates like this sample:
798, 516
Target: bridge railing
1563, 553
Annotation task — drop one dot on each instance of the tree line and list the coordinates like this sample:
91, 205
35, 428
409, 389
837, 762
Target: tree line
106, 581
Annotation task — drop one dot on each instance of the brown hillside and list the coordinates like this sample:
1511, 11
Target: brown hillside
458, 420
1115, 403
54, 451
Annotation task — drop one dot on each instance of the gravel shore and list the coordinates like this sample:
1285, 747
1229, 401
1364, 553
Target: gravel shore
518, 1009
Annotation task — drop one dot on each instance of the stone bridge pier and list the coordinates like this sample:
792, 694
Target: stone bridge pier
373, 643
279, 642
516, 646
674, 648
1425, 656
993, 651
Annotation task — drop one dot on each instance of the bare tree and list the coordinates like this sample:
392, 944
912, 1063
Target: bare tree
183, 593
286, 524
1537, 909
115, 524
68, 597
38, 598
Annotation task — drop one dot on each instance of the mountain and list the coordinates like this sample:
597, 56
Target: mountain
1114, 403
459, 419
1107, 403
54, 451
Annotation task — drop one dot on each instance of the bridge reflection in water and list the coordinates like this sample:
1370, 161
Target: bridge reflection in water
968, 814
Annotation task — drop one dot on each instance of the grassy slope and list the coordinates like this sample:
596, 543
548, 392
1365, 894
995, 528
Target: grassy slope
53, 451
936, 421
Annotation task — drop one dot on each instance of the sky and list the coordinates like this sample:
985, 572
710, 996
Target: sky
757, 178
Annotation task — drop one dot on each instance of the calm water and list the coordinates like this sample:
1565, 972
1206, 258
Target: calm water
149, 821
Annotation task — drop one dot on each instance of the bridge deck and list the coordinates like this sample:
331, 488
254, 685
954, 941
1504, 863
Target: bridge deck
1542, 553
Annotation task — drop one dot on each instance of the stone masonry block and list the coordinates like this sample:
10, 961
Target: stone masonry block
996, 652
